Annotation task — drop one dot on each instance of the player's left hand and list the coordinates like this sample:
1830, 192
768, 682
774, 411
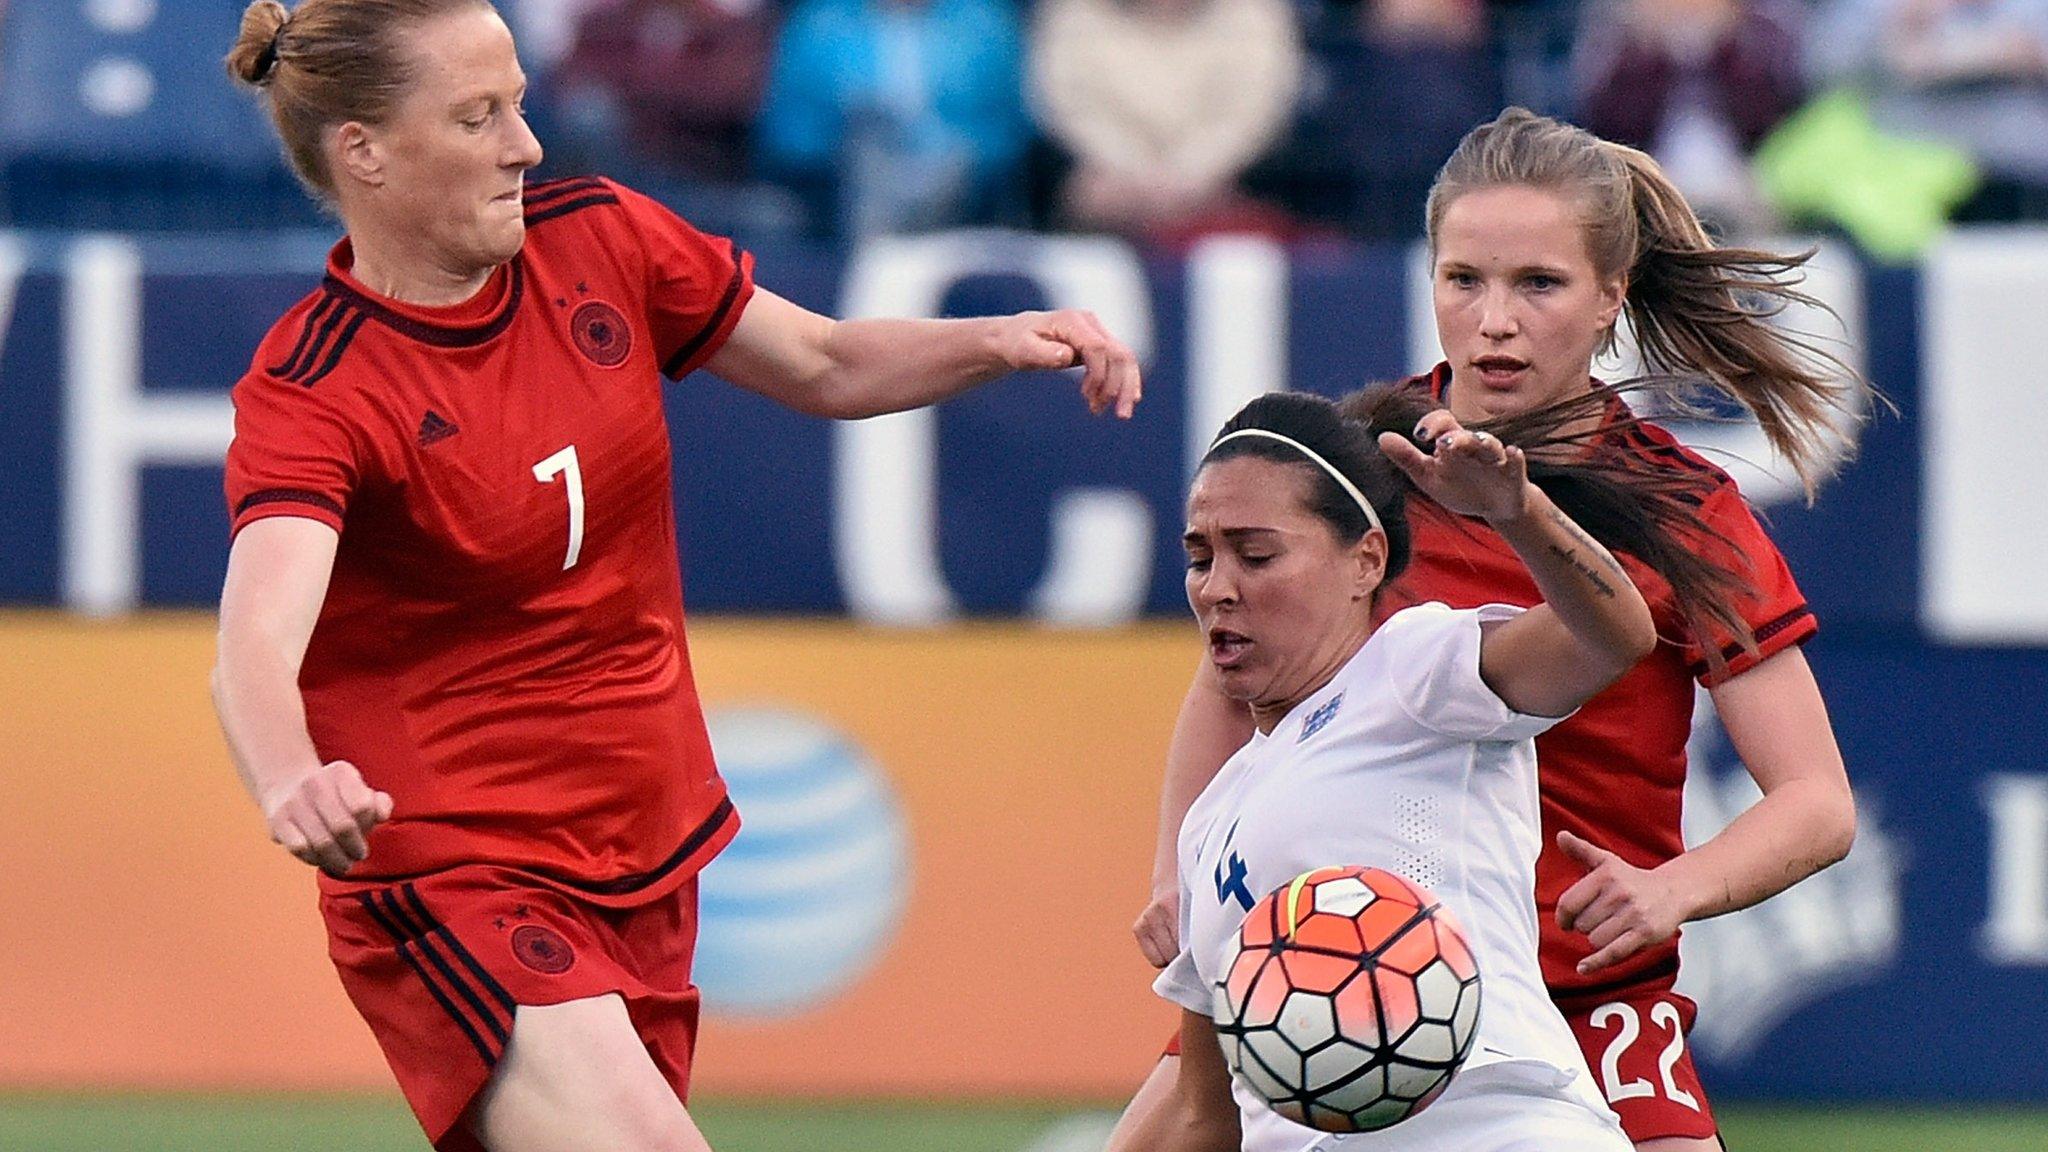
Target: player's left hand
1621, 908
1072, 338
1470, 473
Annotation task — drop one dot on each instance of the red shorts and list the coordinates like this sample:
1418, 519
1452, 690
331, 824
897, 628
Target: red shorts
1634, 1041
437, 967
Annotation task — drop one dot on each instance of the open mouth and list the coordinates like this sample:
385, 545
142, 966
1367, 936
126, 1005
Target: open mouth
1227, 649
1500, 371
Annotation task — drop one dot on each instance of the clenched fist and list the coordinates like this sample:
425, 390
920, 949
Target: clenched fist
325, 816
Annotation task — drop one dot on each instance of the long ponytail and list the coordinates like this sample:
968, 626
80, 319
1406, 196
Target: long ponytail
1700, 312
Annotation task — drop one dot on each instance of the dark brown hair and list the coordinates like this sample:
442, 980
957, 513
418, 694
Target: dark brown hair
1581, 455
1699, 311
327, 63
1318, 425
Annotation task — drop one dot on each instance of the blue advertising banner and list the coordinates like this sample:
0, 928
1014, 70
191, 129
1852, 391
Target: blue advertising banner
1897, 974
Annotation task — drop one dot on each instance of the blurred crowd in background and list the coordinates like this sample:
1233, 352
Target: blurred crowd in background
1158, 120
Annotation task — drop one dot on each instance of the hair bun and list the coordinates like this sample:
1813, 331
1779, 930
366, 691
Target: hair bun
253, 59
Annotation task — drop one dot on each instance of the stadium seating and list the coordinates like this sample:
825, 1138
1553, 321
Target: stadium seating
116, 114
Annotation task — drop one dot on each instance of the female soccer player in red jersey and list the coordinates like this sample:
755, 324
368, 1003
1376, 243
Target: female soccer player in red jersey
1542, 236
452, 668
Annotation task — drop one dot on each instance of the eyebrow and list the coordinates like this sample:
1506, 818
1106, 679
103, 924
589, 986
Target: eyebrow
1192, 536
1525, 270
489, 95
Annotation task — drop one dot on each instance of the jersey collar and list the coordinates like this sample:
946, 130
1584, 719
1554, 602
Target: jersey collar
464, 325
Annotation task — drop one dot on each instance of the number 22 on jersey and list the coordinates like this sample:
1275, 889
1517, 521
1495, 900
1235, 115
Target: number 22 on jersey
1662, 1014
565, 465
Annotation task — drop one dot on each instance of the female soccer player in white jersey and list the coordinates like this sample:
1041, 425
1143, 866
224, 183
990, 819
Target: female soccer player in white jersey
1294, 521
1544, 241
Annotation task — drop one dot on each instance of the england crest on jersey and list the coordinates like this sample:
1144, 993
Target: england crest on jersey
1320, 718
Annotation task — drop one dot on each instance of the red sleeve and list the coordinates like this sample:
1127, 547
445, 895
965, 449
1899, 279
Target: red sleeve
292, 455
697, 285
1775, 610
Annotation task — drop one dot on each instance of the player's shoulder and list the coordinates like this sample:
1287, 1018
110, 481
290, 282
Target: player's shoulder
1436, 617
594, 200
307, 349
581, 222
573, 209
569, 219
1656, 446
1720, 499
1418, 634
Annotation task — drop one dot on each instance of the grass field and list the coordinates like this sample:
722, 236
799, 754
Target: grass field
238, 1124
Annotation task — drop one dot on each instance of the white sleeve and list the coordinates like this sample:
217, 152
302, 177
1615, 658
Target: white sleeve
1181, 983
1431, 653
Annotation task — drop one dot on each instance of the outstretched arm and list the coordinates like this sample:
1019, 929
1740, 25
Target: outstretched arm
1593, 624
1805, 822
850, 369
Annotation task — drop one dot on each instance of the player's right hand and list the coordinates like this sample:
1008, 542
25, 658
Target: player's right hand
1158, 927
1470, 473
325, 816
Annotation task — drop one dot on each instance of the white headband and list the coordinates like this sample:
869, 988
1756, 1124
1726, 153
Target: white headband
1371, 518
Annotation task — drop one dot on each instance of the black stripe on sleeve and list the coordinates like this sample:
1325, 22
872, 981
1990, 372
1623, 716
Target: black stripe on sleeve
1674, 455
334, 353
312, 320
1763, 633
319, 344
725, 302
462, 953
483, 1050
556, 189
288, 496
1782, 623
564, 207
423, 942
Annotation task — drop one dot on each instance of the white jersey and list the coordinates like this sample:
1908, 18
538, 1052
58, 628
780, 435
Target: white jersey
1406, 761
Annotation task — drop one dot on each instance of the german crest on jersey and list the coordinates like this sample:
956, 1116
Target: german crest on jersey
542, 949
601, 333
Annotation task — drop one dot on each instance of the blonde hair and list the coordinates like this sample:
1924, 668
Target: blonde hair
327, 63
1697, 309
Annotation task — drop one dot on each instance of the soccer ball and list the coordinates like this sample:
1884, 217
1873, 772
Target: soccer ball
1349, 1000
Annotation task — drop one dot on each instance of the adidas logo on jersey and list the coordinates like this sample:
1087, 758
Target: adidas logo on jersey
434, 429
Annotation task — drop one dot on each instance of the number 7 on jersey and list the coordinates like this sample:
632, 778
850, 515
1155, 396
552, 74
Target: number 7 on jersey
564, 464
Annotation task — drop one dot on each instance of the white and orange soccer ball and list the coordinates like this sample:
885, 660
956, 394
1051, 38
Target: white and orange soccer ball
1351, 999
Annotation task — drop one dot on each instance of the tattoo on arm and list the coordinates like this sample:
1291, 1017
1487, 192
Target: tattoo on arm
1592, 574
1577, 533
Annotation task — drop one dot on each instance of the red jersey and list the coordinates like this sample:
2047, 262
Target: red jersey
1614, 772
501, 648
